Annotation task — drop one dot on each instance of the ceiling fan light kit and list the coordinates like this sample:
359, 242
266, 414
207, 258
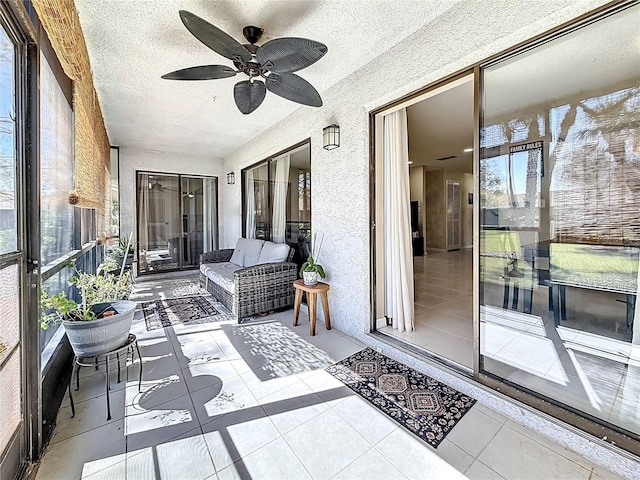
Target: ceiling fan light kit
274, 62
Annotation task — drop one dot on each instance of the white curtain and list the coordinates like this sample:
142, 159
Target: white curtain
280, 187
143, 215
209, 212
399, 294
250, 225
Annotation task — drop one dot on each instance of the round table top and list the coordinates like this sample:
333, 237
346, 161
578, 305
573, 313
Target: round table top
318, 287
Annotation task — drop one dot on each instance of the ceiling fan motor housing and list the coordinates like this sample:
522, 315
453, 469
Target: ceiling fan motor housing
252, 34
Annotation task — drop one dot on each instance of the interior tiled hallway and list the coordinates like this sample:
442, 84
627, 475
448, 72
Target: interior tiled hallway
443, 306
222, 401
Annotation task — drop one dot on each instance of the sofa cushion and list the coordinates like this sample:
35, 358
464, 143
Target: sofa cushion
273, 252
221, 273
247, 252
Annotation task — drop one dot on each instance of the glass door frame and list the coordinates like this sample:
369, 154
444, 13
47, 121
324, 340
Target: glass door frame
26, 443
581, 420
179, 176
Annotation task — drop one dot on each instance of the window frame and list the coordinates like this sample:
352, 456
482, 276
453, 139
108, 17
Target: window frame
268, 161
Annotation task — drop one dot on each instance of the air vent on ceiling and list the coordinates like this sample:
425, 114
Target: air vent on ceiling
446, 158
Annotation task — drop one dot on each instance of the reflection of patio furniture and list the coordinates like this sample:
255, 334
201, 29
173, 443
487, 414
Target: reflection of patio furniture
537, 256
502, 263
593, 267
255, 277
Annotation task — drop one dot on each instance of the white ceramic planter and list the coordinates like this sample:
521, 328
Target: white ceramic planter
96, 337
310, 278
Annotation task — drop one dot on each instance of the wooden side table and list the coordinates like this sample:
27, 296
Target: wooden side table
312, 293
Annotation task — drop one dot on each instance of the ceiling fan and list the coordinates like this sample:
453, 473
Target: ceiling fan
157, 187
275, 62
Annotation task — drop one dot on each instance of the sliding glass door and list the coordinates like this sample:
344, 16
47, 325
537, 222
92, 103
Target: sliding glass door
12, 438
177, 220
560, 213
277, 200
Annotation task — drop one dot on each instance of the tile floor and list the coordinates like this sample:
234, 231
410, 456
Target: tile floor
443, 306
226, 401
597, 373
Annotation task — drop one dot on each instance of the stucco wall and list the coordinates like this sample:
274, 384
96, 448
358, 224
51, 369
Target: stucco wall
469, 32
132, 160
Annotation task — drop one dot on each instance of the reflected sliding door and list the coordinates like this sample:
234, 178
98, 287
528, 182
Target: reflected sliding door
277, 200
560, 214
177, 220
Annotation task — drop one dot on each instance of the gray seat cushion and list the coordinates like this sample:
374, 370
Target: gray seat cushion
273, 252
247, 252
221, 273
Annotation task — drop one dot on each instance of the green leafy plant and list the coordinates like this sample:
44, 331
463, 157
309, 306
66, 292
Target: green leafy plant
93, 289
311, 266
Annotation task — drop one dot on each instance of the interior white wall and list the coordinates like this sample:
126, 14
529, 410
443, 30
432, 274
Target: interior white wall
469, 32
132, 160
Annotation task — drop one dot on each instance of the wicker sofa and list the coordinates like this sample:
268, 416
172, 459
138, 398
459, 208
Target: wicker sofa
255, 277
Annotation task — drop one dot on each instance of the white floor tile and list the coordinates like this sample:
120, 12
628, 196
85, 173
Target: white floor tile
324, 437
371, 466
368, 421
479, 471
222, 398
185, 456
90, 414
204, 375
148, 427
425, 462
275, 460
454, 455
156, 392
236, 435
85, 454
527, 459
474, 431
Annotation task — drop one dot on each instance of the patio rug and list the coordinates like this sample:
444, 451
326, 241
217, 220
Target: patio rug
421, 404
173, 311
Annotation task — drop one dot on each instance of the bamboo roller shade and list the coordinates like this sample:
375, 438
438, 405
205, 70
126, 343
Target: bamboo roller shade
92, 160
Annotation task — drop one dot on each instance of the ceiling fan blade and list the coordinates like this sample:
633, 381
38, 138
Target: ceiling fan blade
204, 72
294, 88
290, 54
214, 38
249, 95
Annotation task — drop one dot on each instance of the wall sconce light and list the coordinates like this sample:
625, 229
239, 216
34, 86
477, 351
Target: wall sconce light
331, 137
231, 178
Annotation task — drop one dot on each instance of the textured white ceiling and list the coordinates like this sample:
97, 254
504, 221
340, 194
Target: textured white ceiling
132, 43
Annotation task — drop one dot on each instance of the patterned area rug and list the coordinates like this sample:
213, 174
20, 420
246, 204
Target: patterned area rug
172, 311
422, 405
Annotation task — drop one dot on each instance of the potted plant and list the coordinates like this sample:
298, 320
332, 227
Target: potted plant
310, 269
101, 321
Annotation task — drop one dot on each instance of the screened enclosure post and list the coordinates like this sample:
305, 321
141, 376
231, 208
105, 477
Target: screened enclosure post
31, 325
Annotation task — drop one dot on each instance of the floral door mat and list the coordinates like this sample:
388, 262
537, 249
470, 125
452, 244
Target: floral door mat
421, 404
173, 311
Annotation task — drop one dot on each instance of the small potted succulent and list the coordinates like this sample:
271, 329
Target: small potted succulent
101, 321
311, 270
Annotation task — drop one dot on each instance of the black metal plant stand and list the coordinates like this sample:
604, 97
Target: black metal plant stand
131, 345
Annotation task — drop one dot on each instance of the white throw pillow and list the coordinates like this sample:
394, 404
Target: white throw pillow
273, 252
247, 252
